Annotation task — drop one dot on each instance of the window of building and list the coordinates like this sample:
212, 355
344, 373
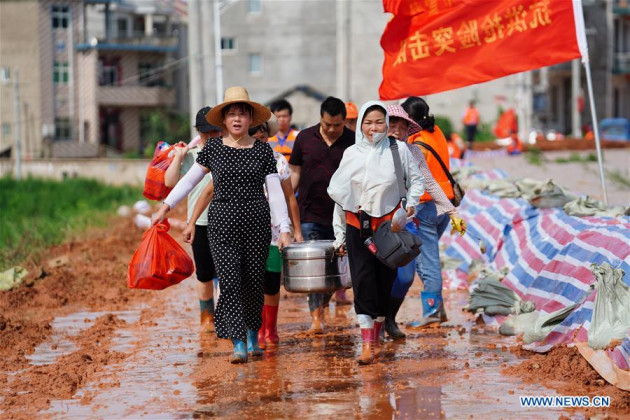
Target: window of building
60, 73
109, 73
255, 6
6, 129
5, 75
122, 27
151, 74
255, 63
63, 129
60, 16
228, 44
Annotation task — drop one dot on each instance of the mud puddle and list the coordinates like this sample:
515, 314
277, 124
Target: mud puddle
66, 328
173, 371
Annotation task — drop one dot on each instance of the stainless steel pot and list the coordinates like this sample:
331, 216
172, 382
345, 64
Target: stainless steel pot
313, 266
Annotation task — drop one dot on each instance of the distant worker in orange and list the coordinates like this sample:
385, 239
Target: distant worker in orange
283, 141
516, 147
471, 121
455, 144
351, 116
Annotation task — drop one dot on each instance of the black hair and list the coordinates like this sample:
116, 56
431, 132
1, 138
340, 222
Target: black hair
333, 107
418, 110
374, 108
281, 105
247, 108
254, 130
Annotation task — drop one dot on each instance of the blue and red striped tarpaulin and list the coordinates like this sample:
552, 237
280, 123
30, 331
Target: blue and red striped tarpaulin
548, 252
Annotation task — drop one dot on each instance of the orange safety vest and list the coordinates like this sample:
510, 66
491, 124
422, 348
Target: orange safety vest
438, 142
284, 145
516, 146
453, 150
471, 117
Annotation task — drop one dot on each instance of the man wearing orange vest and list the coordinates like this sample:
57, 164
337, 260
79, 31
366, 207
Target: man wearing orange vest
351, 116
283, 141
471, 121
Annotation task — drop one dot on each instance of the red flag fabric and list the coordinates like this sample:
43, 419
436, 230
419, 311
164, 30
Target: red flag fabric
436, 45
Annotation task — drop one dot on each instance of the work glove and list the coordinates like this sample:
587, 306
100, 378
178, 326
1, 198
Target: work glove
458, 224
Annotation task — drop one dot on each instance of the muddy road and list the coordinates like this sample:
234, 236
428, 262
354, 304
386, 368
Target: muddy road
76, 343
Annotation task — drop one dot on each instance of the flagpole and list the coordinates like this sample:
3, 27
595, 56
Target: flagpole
580, 29
598, 146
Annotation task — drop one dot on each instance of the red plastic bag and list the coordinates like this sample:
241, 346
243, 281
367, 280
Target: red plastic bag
154, 188
159, 261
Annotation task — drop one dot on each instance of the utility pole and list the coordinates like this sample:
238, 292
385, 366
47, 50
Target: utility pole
576, 120
206, 48
218, 59
16, 126
343, 49
194, 60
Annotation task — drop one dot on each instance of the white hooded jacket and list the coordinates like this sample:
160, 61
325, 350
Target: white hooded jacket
366, 178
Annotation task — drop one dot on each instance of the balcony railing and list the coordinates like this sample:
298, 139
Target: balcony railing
137, 41
136, 96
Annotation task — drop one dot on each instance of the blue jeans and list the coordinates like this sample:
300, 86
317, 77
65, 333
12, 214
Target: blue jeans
312, 232
427, 264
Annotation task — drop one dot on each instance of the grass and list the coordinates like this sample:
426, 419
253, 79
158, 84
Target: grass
618, 177
534, 156
37, 213
576, 157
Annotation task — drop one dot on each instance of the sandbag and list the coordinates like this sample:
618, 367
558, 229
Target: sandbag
491, 297
587, 206
611, 310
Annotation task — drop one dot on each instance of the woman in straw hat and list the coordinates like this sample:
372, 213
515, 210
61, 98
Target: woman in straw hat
268, 334
239, 216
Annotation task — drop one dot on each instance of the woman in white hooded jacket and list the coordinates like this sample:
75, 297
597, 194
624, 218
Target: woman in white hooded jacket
365, 188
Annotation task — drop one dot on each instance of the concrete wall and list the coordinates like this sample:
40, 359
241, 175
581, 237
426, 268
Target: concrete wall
295, 38
130, 119
367, 23
599, 30
88, 69
299, 44
19, 48
110, 171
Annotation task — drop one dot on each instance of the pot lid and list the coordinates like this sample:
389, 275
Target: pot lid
309, 250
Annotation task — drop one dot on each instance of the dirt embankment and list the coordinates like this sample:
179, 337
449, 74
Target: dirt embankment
565, 370
83, 273
35, 386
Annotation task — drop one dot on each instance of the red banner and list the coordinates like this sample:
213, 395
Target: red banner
436, 45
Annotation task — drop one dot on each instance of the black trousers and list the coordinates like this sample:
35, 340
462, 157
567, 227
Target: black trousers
371, 279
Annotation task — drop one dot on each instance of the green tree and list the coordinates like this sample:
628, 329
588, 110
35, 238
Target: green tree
445, 124
162, 125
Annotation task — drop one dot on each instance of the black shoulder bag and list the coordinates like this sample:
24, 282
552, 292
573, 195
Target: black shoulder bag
396, 249
458, 191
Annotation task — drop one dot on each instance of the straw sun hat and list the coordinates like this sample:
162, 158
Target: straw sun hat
233, 95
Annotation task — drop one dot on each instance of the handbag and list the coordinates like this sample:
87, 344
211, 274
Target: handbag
395, 249
458, 191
